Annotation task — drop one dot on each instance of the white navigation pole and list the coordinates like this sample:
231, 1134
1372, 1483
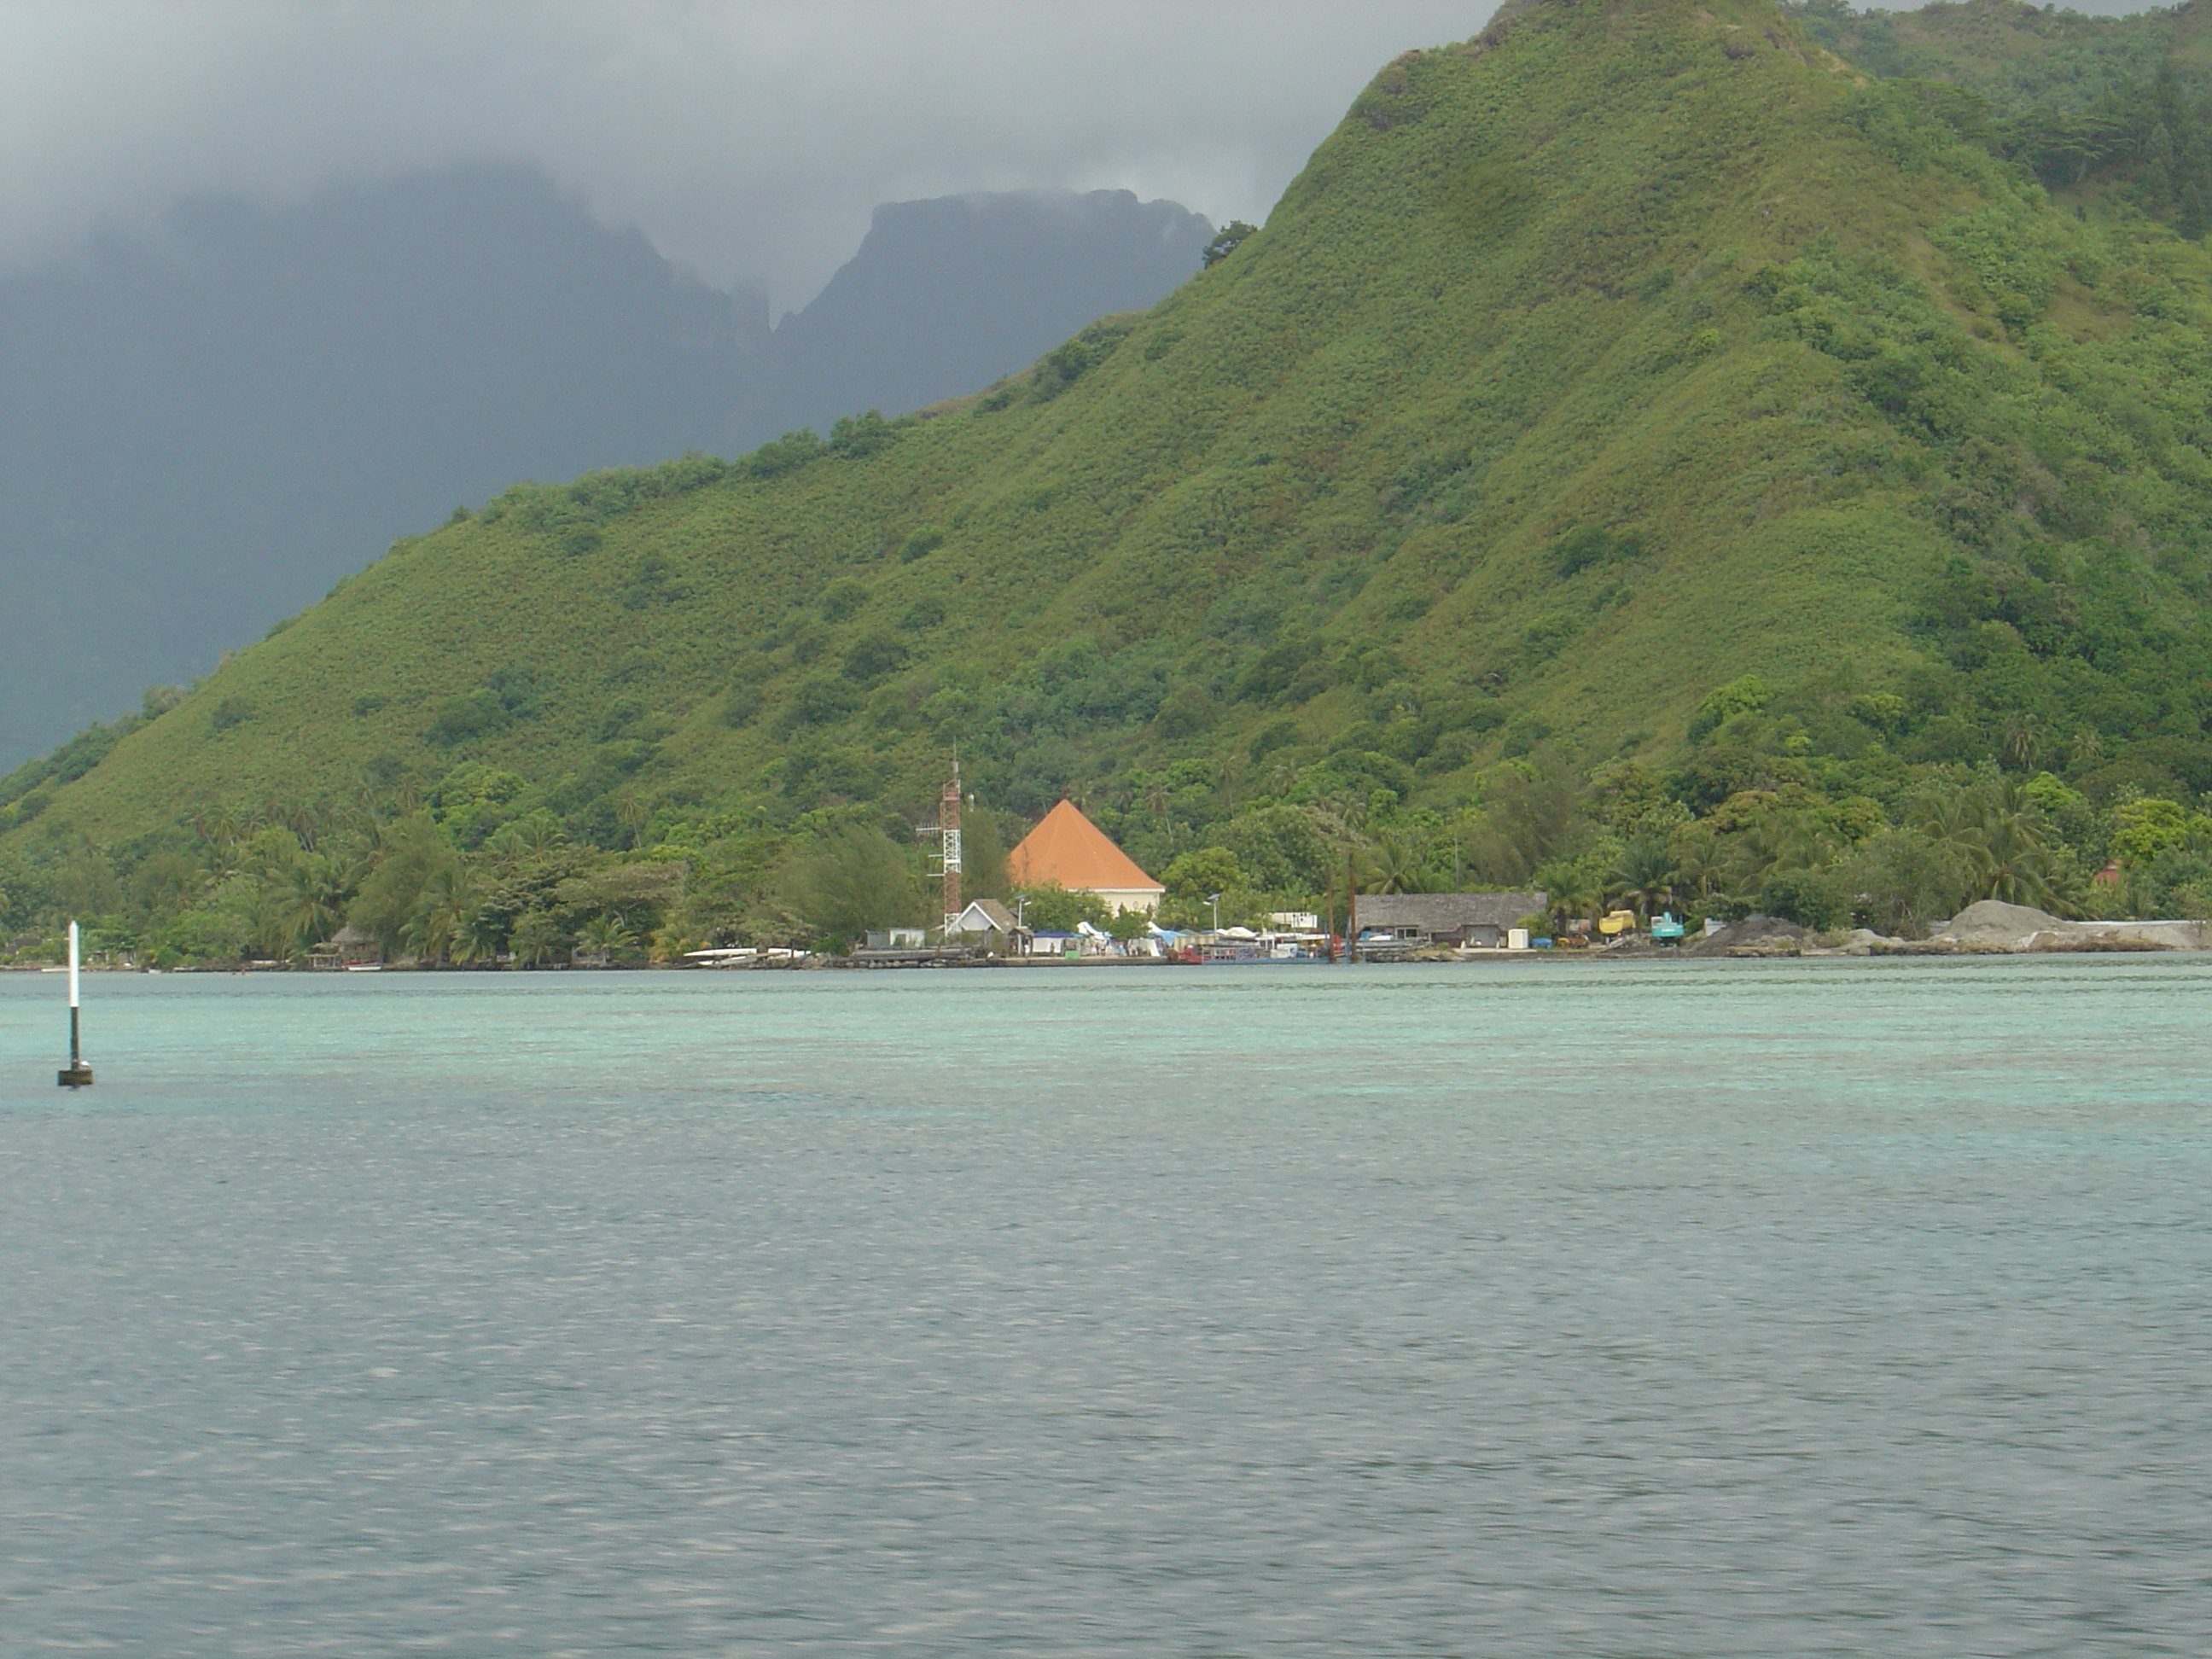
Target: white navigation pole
79, 1075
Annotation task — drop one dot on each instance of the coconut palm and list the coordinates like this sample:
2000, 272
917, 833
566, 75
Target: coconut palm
315, 889
1701, 866
523, 839
2023, 740
534, 940
605, 937
479, 937
268, 930
1996, 830
448, 898
1391, 865
1572, 892
1644, 876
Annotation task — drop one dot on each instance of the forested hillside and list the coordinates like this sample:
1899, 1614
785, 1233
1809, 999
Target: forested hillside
1643, 454
2119, 109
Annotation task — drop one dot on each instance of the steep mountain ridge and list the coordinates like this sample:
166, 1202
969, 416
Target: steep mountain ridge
945, 295
201, 430
1620, 353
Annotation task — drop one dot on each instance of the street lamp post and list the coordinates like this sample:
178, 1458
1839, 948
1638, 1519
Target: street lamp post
1214, 899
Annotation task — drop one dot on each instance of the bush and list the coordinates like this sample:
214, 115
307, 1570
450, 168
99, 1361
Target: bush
860, 436
821, 700
1811, 898
1188, 710
1747, 693
872, 656
471, 714
843, 598
924, 542
1048, 908
849, 882
1226, 241
1589, 544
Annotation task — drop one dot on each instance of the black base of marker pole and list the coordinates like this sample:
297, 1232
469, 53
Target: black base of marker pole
76, 1074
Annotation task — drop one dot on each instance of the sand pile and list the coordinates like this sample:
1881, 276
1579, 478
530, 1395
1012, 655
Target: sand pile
1992, 924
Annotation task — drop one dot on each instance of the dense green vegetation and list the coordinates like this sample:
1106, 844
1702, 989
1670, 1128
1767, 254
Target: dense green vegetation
1643, 454
2120, 108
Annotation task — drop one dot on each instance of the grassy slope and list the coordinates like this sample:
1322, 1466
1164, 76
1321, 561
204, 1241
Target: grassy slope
1575, 274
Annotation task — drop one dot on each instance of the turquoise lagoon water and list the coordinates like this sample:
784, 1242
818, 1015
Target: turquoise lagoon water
1532, 1308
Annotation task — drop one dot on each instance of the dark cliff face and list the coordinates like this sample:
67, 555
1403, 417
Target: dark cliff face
944, 296
200, 437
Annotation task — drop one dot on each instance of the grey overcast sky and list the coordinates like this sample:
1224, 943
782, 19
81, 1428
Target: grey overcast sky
747, 138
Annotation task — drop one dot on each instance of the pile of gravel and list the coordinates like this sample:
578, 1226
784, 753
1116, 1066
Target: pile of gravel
1754, 936
1992, 924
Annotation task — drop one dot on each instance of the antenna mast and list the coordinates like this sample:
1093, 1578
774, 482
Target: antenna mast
948, 819
947, 830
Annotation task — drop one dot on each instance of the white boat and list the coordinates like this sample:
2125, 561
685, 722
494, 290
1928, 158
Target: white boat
364, 967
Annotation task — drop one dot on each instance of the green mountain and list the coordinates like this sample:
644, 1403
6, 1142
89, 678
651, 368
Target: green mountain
1639, 399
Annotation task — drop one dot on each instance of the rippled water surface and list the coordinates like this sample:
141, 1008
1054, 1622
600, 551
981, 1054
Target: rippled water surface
1529, 1308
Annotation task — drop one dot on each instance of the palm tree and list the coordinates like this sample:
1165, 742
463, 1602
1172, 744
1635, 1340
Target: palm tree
506, 846
315, 890
533, 939
1569, 891
1996, 831
538, 833
1644, 876
2014, 864
478, 938
269, 935
2023, 740
605, 937
1701, 870
440, 915
1392, 866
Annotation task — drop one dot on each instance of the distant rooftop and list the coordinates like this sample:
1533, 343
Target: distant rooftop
1447, 913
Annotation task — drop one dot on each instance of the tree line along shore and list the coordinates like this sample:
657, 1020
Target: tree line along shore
1791, 807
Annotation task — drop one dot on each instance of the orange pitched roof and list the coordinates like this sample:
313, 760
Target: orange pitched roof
1071, 850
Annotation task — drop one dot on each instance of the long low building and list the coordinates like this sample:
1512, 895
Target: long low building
1460, 921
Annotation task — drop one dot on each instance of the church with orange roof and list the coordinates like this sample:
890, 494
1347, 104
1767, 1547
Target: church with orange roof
1070, 850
